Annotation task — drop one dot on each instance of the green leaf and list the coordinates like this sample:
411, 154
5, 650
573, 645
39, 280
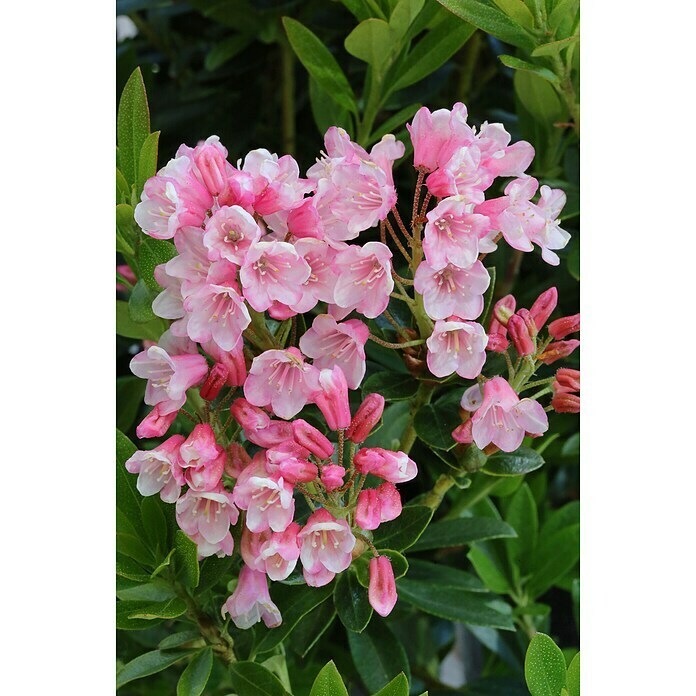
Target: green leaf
566, 516
176, 640
326, 111
328, 682
186, 559
128, 499
517, 11
544, 667
211, 570
378, 655
350, 599
168, 609
147, 161
488, 297
539, 98
573, 676
394, 421
488, 568
320, 64
518, 64
251, 679
396, 687
373, 42
132, 125
123, 190
404, 14
443, 576
391, 124
125, 228
311, 628
227, 49
440, 596
294, 602
140, 304
126, 567
522, 517
125, 326
147, 664
555, 555
152, 253
434, 424
125, 623
362, 565
155, 524
392, 386
156, 591
461, 531
491, 20
555, 47
194, 678
403, 532
433, 51
129, 396
522, 461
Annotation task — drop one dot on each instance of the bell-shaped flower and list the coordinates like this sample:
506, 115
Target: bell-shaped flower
503, 418
395, 467
273, 553
437, 133
452, 291
319, 286
366, 418
201, 460
230, 233
313, 440
251, 602
331, 396
155, 469
155, 424
332, 476
456, 346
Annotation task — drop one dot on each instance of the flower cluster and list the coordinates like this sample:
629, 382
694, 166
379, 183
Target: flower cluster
257, 244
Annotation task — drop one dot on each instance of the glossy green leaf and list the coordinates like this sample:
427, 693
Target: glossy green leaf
128, 500
392, 386
153, 591
544, 667
434, 425
396, 687
123, 190
404, 14
491, 20
227, 49
127, 567
176, 640
147, 664
372, 41
554, 47
125, 227
152, 253
573, 676
194, 678
392, 124
555, 555
521, 515
125, 326
443, 576
394, 421
251, 679
362, 565
212, 569
565, 516
328, 682
539, 70
147, 161
461, 531
378, 655
155, 524
522, 461
186, 559
350, 599
311, 628
132, 125
517, 11
433, 51
539, 98
489, 569
140, 304
125, 623
403, 532
168, 609
325, 110
320, 64
129, 397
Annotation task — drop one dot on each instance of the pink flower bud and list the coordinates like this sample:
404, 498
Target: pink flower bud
250, 417
217, 377
332, 476
366, 418
297, 470
503, 309
560, 328
382, 589
311, 439
237, 460
211, 164
558, 350
519, 335
567, 380
155, 424
332, 398
304, 221
462, 433
396, 467
497, 343
368, 513
563, 402
280, 311
543, 307
529, 322
389, 501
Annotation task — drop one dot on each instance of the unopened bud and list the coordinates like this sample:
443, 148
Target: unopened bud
237, 460
497, 343
332, 476
503, 309
296, 470
311, 439
382, 587
543, 307
567, 380
216, 380
563, 402
332, 398
529, 322
366, 418
155, 424
368, 509
558, 350
211, 164
560, 328
519, 335
462, 433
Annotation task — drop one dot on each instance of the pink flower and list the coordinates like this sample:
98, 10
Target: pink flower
289, 460
395, 467
155, 469
282, 380
168, 376
201, 459
567, 380
452, 290
332, 476
215, 381
472, 398
558, 350
266, 497
273, 271
389, 502
172, 199
331, 397
498, 156
520, 335
250, 417
233, 361
503, 309
503, 418
237, 460
364, 279
382, 588
311, 439
213, 167
452, 234
230, 233
273, 553
217, 312
250, 602
366, 418
543, 307
155, 424
169, 304
191, 266
462, 175
368, 509
433, 132
319, 286
560, 328
326, 546
276, 181
331, 343
456, 346
206, 517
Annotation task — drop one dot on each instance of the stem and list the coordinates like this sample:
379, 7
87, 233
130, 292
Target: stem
435, 496
397, 241
416, 196
399, 222
397, 327
221, 643
396, 346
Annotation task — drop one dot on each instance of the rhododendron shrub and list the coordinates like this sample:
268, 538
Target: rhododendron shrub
336, 379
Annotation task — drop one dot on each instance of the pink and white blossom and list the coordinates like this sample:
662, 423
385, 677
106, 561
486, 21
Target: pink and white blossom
229, 233
201, 460
273, 553
395, 467
331, 396
155, 469
456, 346
251, 602
381, 592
